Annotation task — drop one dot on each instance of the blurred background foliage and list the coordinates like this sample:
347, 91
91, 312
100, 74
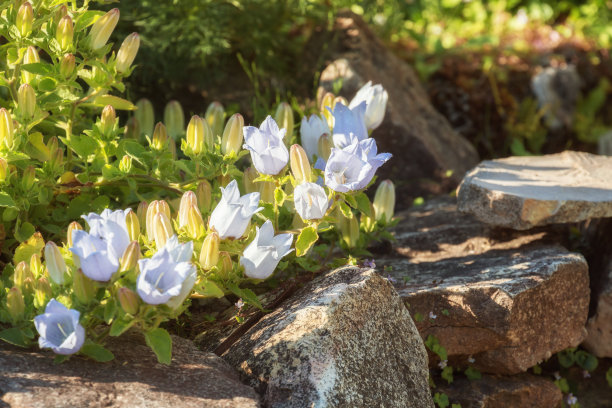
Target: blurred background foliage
476, 58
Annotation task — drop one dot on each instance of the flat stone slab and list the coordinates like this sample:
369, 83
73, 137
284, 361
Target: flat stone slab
524, 391
343, 340
524, 192
133, 379
507, 300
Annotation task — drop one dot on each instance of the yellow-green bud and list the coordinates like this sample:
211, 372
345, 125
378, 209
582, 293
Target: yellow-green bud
52, 145
384, 201
103, 28
215, 114
204, 196
152, 211
57, 159
6, 128
56, 266
172, 148
128, 301
22, 272
65, 33
71, 228
250, 186
132, 128
162, 229
61, 12
232, 134
340, 100
284, 119
199, 136
145, 116
141, 212
174, 119
67, 66
324, 146
125, 165
3, 169
349, 230
160, 137
107, 120
164, 208
36, 265
225, 265
187, 200
266, 191
130, 257
26, 100
25, 17
28, 178
84, 288
133, 225
328, 102
127, 52
42, 292
15, 304
209, 256
30, 57
195, 223
300, 167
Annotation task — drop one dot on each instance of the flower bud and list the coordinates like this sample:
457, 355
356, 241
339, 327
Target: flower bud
132, 128
58, 159
22, 272
172, 148
65, 33
130, 257
125, 165
52, 145
145, 116
284, 119
25, 17
84, 288
56, 266
67, 66
128, 301
152, 211
266, 191
103, 28
61, 12
141, 212
42, 292
214, 117
164, 208
71, 228
300, 167
26, 100
187, 200
349, 230
15, 304
250, 186
127, 52
3, 169
108, 120
160, 137
162, 229
384, 201
225, 265
328, 102
174, 119
6, 128
199, 136
209, 256
232, 134
324, 146
29, 178
195, 223
204, 196
133, 225
341, 100
68, 177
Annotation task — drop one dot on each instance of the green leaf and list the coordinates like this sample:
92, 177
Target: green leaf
308, 236
97, 352
566, 357
14, 336
39, 68
472, 374
120, 326
279, 196
586, 360
441, 400
350, 200
447, 374
208, 288
363, 204
114, 101
609, 377
110, 308
86, 19
25, 231
346, 211
161, 343
246, 294
25, 250
6, 200
47, 84
82, 145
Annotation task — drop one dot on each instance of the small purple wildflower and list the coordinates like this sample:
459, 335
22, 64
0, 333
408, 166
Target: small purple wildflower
442, 364
571, 400
239, 304
369, 263
556, 375
586, 374
391, 279
433, 316
471, 360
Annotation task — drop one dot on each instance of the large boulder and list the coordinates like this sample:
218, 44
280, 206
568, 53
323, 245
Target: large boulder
343, 340
133, 379
424, 145
506, 300
524, 192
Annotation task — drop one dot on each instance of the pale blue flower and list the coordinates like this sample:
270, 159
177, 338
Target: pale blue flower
59, 329
376, 99
181, 253
353, 167
311, 130
232, 215
262, 255
310, 200
349, 124
163, 278
268, 151
111, 227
